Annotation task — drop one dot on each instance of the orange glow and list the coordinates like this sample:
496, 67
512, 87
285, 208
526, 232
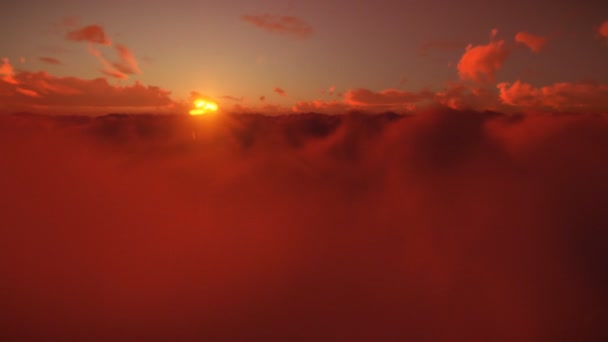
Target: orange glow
203, 107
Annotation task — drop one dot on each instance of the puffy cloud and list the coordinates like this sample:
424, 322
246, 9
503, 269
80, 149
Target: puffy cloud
459, 96
7, 71
564, 96
385, 99
92, 34
280, 91
50, 60
534, 42
603, 30
42, 90
481, 62
287, 25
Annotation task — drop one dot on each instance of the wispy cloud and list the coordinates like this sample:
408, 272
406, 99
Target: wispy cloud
286, 25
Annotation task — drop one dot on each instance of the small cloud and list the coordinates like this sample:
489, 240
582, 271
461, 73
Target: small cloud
385, 99
231, 98
27, 92
287, 25
280, 91
262, 98
50, 60
331, 90
92, 34
22, 60
481, 62
534, 42
7, 72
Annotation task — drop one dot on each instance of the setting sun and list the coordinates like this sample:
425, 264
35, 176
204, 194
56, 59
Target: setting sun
203, 107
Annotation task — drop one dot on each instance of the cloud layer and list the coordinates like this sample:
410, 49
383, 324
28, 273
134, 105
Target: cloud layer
442, 225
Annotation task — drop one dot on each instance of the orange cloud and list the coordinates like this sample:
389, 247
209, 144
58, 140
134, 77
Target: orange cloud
287, 25
6, 70
128, 63
534, 42
110, 69
564, 96
92, 34
50, 60
262, 98
65, 93
386, 99
280, 91
461, 97
231, 98
481, 62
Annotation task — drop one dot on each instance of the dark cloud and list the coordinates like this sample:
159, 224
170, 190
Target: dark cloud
280, 91
443, 225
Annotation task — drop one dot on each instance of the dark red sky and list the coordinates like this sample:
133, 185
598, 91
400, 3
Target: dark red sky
303, 55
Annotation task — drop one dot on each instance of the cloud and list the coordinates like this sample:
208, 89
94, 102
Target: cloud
286, 25
603, 30
91, 34
479, 227
331, 90
564, 96
389, 98
480, 63
534, 42
110, 69
50, 60
128, 63
459, 96
7, 71
280, 91
320, 106
262, 98
72, 94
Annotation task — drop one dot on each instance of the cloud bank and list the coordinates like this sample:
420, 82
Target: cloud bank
442, 225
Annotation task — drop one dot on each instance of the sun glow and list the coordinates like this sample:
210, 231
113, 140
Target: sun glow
203, 107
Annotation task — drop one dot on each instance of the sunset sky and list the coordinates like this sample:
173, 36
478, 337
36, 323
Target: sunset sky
306, 55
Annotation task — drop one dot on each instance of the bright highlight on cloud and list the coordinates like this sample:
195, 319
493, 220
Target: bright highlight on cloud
202, 107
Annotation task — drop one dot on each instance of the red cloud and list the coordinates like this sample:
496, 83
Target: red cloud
262, 98
128, 62
534, 42
564, 96
288, 25
50, 60
385, 99
480, 63
280, 91
603, 30
460, 97
40, 89
91, 34
6, 70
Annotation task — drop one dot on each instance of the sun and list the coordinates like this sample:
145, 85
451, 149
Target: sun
202, 107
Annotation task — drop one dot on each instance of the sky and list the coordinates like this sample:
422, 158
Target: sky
307, 55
